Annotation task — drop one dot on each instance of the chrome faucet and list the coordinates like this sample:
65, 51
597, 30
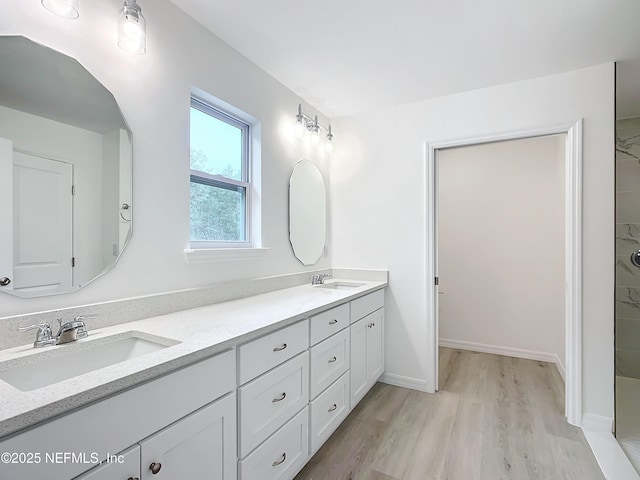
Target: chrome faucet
73, 330
68, 332
319, 279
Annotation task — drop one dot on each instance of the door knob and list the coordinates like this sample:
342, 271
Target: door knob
4, 281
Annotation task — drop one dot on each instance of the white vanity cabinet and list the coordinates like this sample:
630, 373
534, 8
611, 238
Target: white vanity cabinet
156, 415
273, 397
255, 412
367, 344
330, 361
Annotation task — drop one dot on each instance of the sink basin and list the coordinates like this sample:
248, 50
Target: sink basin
340, 285
70, 360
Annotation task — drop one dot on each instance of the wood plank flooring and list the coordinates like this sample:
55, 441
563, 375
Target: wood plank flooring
494, 418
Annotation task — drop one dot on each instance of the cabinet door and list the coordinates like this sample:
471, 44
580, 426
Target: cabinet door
375, 346
124, 466
358, 360
200, 446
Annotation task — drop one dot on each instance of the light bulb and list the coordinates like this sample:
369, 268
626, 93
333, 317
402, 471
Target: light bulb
62, 8
299, 128
329, 144
132, 28
315, 135
315, 131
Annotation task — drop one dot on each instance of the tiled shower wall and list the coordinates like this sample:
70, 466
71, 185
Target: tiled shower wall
627, 241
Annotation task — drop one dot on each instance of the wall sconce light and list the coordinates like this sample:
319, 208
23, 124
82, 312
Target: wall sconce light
304, 123
63, 8
132, 28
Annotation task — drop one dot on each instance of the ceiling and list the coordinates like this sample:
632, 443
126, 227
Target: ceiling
344, 56
40, 81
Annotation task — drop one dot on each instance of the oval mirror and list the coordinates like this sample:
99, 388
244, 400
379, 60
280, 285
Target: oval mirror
307, 212
65, 169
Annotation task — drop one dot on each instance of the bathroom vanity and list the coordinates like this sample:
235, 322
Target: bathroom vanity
248, 389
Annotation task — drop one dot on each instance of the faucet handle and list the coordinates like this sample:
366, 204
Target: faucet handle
44, 336
82, 318
41, 326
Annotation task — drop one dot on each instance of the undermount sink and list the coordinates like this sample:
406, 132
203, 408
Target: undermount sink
340, 285
66, 361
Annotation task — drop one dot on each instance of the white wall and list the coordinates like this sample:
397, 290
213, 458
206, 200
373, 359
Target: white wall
84, 150
153, 91
501, 245
379, 203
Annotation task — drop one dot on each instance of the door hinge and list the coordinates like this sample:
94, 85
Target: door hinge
437, 280
73, 189
73, 261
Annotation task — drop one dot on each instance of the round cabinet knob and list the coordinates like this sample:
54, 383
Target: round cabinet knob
635, 260
133, 478
155, 467
4, 281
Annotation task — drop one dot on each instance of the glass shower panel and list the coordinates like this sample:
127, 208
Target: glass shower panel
627, 288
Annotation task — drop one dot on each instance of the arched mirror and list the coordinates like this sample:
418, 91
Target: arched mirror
307, 212
65, 172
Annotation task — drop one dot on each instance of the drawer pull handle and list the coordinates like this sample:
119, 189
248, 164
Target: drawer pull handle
280, 398
155, 467
281, 461
333, 408
280, 348
333, 322
332, 360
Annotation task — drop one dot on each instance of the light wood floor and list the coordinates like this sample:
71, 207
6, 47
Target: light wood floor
494, 418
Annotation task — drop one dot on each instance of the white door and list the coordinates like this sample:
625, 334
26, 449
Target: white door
6, 214
42, 224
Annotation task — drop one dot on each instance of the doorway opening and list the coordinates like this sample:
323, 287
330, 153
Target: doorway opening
571, 206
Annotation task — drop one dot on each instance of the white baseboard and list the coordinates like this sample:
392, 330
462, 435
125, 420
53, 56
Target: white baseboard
610, 457
506, 351
560, 367
597, 423
406, 382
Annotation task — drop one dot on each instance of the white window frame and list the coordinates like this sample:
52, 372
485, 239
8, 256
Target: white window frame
221, 181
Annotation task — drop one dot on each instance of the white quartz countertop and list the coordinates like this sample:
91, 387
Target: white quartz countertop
202, 332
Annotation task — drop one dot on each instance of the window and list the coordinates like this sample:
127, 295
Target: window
220, 178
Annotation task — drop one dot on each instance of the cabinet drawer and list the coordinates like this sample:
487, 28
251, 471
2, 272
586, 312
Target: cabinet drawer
363, 306
327, 323
269, 401
283, 455
328, 411
329, 360
119, 421
266, 352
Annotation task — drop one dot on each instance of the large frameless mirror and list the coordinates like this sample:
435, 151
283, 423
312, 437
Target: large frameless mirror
307, 212
65, 172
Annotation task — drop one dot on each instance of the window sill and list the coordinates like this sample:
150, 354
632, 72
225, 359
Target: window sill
210, 255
